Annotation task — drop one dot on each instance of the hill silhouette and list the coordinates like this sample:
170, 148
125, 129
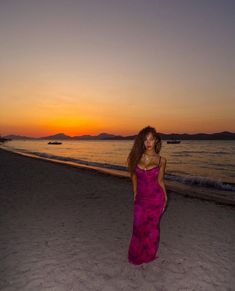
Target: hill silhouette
224, 135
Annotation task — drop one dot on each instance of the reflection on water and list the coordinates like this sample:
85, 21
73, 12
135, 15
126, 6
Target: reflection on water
199, 160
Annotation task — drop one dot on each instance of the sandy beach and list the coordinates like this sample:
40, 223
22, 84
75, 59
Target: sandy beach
67, 228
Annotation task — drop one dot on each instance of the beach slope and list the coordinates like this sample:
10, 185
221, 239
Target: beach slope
67, 228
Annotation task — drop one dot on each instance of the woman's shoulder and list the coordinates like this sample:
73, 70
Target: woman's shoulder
163, 159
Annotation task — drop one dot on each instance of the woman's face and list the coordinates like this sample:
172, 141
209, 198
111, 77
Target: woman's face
149, 141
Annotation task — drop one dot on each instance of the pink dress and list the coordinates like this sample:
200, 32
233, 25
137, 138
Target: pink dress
148, 208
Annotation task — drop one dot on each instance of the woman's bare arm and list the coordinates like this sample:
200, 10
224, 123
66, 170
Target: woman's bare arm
134, 183
162, 174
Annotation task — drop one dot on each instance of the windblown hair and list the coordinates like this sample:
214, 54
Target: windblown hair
138, 147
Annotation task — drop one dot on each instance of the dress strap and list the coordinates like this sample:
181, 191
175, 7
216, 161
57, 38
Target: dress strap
159, 161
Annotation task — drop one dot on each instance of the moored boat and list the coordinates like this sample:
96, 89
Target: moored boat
54, 142
174, 141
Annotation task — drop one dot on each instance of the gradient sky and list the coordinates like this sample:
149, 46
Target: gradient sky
91, 66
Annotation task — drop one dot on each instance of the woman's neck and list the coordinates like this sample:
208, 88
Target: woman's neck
150, 153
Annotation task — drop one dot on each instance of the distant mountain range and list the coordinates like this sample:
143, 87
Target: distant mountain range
225, 135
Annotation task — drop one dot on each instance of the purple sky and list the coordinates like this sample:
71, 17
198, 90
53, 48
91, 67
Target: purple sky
99, 65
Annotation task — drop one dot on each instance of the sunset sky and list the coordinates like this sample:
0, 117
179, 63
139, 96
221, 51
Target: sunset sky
92, 66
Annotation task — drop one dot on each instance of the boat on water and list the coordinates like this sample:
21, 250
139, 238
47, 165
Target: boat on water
54, 142
174, 141
3, 139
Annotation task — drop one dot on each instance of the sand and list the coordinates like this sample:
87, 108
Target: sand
67, 228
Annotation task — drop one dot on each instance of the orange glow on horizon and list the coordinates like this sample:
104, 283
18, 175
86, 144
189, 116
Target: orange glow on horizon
86, 128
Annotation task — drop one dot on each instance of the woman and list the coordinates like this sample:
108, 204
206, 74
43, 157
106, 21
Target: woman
147, 169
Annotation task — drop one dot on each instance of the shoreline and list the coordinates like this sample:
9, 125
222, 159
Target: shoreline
202, 193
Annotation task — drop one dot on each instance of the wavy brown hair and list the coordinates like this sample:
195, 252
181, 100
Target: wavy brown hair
138, 147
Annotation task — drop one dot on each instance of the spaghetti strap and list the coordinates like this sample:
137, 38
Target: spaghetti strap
159, 161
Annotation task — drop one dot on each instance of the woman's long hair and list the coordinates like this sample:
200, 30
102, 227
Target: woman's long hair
138, 147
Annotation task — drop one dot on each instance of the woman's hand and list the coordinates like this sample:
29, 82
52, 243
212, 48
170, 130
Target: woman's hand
165, 201
134, 196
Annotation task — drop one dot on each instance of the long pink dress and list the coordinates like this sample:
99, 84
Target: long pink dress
149, 206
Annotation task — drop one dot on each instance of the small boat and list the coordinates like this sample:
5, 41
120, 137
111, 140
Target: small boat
174, 141
3, 139
54, 142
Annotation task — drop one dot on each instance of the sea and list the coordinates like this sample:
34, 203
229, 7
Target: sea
206, 163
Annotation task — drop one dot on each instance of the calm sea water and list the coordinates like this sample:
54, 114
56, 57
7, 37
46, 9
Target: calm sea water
208, 163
